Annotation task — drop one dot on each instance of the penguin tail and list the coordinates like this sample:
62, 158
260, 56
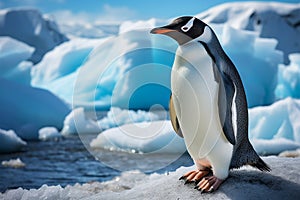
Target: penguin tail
246, 155
260, 164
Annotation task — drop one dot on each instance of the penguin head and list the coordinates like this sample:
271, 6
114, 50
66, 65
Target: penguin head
185, 29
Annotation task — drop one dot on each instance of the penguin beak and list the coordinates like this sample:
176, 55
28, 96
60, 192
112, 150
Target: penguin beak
168, 30
161, 30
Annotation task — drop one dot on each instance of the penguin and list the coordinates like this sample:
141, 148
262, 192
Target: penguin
208, 105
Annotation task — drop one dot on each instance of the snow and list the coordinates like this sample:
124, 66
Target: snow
13, 54
48, 133
15, 163
265, 18
245, 183
32, 29
26, 109
10, 142
77, 123
144, 137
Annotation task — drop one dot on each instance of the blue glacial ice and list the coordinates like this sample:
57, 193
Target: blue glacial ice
275, 128
288, 84
26, 109
13, 56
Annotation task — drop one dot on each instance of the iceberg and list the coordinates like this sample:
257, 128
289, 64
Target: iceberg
25, 109
106, 78
10, 142
269, 19
32, 29
13, 56
144, 137
59, 67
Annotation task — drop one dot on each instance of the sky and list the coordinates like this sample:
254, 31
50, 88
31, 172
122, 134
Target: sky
116, 10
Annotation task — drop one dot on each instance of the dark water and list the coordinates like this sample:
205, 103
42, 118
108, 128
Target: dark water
67, 161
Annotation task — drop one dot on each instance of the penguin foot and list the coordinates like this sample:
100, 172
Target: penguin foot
209, 184
194, 176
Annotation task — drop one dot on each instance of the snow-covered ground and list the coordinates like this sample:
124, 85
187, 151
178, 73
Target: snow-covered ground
283, 182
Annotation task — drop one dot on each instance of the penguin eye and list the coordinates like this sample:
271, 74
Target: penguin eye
185, 28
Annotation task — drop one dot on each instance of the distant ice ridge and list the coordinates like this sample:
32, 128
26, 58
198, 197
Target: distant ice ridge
268, 19
10, 142
28, 26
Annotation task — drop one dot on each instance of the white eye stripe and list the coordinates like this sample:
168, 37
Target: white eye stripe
188, 25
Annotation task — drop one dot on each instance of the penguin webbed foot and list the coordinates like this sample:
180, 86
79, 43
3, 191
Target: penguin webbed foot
194, 176
209, 184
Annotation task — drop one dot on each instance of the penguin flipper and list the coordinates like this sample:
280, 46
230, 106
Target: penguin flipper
174, 118
225, 99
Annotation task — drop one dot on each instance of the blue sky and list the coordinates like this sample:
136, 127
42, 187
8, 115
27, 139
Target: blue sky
116, 10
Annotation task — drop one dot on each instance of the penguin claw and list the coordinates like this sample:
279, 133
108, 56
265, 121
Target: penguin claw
194, 176
209, 184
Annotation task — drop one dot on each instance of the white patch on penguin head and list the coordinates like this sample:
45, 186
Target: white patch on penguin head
206, 36
188, 25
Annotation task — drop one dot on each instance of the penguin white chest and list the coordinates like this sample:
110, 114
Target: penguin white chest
195, 96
